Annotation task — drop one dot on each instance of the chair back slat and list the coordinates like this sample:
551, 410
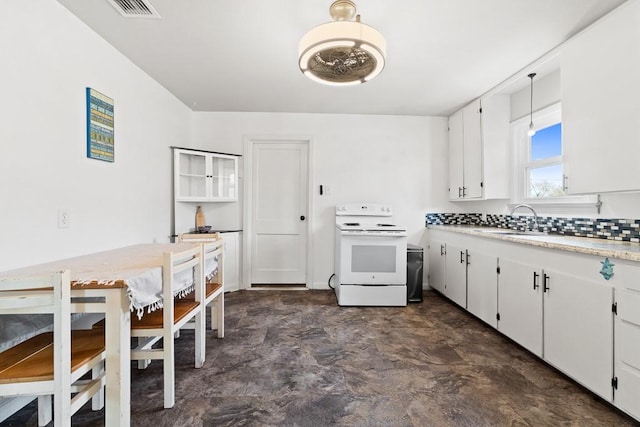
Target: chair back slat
15, 302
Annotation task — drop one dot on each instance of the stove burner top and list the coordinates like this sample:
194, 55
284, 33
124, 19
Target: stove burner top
352, 224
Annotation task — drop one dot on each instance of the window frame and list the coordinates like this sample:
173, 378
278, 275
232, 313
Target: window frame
542, 118
543, 122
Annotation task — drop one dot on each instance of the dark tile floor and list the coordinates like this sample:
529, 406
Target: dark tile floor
294, 358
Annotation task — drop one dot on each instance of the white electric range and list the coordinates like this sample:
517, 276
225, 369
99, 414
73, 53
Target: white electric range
370, 256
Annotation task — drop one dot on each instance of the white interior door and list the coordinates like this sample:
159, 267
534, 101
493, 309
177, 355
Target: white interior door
279, 212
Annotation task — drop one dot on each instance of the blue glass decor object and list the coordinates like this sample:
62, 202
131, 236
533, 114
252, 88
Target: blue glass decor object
607, 269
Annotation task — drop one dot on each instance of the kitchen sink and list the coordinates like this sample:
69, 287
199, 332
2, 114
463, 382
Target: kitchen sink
499, 231
507, 232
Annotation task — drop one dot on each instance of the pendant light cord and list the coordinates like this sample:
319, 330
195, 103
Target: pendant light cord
531, 76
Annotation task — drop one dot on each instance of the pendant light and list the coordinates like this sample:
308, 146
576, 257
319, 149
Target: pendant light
343, 52
531, 130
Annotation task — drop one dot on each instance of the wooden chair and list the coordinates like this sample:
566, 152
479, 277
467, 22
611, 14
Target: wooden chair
214, 283
166, 322
51, 363
213, 253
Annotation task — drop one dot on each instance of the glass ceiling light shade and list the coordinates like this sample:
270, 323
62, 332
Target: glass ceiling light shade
531, 130
344, 52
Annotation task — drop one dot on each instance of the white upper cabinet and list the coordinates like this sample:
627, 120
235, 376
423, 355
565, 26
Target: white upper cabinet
456, 165
478, 150
600, 108
205, 177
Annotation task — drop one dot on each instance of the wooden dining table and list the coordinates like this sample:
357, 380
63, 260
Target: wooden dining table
115, 282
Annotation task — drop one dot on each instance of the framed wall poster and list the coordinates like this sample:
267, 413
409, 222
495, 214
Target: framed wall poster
100, 141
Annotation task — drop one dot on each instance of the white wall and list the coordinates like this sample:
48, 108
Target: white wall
48, 58
385, 159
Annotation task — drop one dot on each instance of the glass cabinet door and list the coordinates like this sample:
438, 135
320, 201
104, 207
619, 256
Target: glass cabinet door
205, 177
225, 178
192, 176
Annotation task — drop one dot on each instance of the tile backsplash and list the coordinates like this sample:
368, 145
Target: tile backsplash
627, 230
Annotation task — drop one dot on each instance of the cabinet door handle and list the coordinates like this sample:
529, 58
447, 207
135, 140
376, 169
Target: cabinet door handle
302, 218
535, 280
464, 191
461, 257
459, 192
441, 250
545, 282
565, 185
468, 258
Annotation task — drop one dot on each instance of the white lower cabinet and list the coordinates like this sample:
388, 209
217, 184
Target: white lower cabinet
466, 275
560, 314
520, 304
455, 283
482, 286
626, 394
436, 253
554, 303
549, 312
231, 260
578, 328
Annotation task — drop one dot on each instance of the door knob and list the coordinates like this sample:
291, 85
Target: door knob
302, 218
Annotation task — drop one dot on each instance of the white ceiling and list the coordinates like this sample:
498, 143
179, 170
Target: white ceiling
222, 55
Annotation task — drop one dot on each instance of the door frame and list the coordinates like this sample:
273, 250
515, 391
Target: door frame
247, 210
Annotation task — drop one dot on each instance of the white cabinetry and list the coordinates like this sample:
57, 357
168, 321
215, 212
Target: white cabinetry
556, 304
455, 282
626, 280
478, 150
231, 259
600, 108
465, 153
548, 307
464, 274
205, 177
520, 304
482, 286
437, 252
578, 327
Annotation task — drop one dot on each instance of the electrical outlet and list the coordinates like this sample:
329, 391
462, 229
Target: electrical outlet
64, 218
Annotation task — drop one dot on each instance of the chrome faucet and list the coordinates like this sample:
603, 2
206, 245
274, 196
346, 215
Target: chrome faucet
535, 214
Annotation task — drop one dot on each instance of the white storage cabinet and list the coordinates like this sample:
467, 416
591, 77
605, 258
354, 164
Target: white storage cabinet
626, 381
557, 305
479, 150
460, 270
201, 176
600, 108
232, 257
437, 258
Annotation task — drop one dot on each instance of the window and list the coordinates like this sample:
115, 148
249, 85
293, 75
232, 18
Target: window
538, 169
543, 171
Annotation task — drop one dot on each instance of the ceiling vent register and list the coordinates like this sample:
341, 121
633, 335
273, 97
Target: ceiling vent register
135, 8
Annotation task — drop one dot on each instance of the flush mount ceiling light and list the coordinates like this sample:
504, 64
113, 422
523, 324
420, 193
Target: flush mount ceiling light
531, 130
343, 52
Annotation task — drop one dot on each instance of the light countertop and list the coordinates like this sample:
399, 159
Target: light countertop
599, 247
